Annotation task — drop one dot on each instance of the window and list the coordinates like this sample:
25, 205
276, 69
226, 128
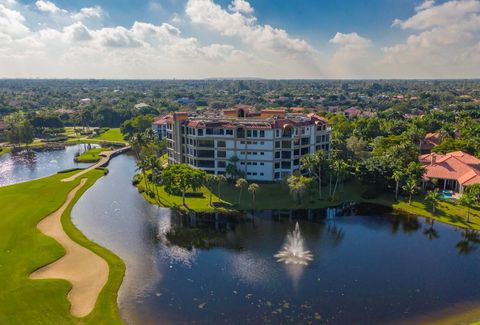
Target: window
240, 133
277, 165
221, 144
209, 131
277, 154
262, 153
221, 154
286, 154
277, 144
255, 133
277, 175
286, 165
261, 174
200, 132
305, 141
262, 134
221, 164
229, 132
261, 164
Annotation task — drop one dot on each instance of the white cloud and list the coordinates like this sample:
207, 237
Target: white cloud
427, 4
447, 35
88, 12
352, 40
48, 6
245, 27
12, 23
353, 56
241, 6
451, 12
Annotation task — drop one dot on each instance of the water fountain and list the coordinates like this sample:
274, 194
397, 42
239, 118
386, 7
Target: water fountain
293, 251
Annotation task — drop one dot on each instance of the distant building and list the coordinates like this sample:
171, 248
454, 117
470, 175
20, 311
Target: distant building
185, 101
141, 105
430, 141
85, 102
454, 171
268, 143
159, 126
352, 112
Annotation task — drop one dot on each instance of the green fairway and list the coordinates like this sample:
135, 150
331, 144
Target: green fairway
24, 249
113, 135
91, 156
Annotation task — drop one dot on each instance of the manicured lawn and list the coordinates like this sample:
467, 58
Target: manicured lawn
113, 135
23, 249
90, 156
277, 196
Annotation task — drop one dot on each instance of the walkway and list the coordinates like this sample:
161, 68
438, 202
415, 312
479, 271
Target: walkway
106, 156
86, 271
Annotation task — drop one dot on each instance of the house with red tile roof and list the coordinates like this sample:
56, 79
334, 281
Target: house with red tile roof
454, 171
430, 141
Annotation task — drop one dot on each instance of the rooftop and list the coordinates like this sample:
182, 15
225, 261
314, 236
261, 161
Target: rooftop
458, 165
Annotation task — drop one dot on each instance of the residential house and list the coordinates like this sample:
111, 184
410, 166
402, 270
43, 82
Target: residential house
453, 171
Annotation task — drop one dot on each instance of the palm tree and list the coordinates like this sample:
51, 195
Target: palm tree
433, 197
340, 167
221, 179
397, 176
314, 164
298, 186
232, 169
210, 181
411, 188
253, 188
467, 200
241, 183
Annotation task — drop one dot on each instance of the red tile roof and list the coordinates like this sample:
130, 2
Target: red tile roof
458, 165
163, 120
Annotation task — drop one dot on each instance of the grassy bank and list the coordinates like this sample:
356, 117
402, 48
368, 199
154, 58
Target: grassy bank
24, 249
91, 156
277, 196
4, 150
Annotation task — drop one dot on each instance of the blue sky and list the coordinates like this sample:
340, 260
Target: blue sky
235, 38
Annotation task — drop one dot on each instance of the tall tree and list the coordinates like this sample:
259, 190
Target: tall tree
398, 175
313, 164
181, 178
240, 184
433, 197
411, 187
298, 185
467, 200
253, 188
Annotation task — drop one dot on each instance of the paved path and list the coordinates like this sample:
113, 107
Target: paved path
106, 156
86, 271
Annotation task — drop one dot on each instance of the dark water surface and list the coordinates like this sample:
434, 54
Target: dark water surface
367, 269
15, 168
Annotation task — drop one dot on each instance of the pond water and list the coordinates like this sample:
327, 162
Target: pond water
15, 168
368, 267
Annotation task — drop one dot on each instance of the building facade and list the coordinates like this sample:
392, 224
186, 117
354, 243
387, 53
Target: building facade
266, 145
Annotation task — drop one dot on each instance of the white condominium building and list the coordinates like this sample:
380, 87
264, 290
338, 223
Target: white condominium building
265, 145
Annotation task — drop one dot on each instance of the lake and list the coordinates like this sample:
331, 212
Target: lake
15, 168
369, 266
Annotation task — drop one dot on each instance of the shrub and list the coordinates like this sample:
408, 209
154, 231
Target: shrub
141, 189
136, 179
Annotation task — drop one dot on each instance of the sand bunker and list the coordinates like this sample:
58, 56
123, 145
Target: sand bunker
86, 271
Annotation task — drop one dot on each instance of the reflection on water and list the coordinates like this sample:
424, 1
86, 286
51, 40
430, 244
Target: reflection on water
21, 167
211, 268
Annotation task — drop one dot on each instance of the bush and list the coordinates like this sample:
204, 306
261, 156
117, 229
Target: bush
136, 179
141, 189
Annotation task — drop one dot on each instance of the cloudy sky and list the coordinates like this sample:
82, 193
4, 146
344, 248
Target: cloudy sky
163, 39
